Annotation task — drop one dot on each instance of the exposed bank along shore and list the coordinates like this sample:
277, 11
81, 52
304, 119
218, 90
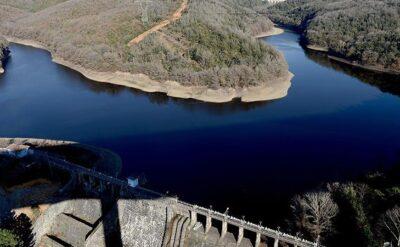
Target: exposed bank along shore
274, 89
273, 31
374, 68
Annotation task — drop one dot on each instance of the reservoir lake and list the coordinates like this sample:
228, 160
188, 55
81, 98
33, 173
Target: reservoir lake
336, 124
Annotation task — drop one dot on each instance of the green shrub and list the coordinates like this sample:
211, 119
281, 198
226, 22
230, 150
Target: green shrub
9, 239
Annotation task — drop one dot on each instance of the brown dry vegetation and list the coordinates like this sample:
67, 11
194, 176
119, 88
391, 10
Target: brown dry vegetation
31, 5
211, 44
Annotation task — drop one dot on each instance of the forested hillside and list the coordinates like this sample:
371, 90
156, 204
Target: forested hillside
365, 31
361, 213
211, 45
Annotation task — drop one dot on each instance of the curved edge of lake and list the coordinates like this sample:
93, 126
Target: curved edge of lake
275, 89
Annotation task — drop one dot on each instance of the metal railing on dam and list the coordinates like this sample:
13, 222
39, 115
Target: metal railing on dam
99, 181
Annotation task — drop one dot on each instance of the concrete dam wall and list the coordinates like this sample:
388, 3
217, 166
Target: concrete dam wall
126, 216
89, 206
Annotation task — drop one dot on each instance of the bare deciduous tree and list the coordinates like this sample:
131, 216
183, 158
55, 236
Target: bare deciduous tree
314, 213
391, 221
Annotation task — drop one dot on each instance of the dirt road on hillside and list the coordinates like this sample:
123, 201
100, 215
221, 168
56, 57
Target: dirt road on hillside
174, 17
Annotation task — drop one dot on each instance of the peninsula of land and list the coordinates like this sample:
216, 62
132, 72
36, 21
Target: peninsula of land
185, 49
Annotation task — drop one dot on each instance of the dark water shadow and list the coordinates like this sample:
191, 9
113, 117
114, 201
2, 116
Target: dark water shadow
159, 98
387, 83
72, 78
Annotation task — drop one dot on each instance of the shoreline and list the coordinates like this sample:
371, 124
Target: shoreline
275, 89
272, 32
339, 59
317, 48
372, 68
366, 67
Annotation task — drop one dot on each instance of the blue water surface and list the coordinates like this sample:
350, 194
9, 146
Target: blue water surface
336, 123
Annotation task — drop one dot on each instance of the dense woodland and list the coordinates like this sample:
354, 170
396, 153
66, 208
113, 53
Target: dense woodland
365, 31
361, 213
211, 45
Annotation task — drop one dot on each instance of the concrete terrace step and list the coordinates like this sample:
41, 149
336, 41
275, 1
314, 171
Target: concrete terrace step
70, 230
88, 210
51, 241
